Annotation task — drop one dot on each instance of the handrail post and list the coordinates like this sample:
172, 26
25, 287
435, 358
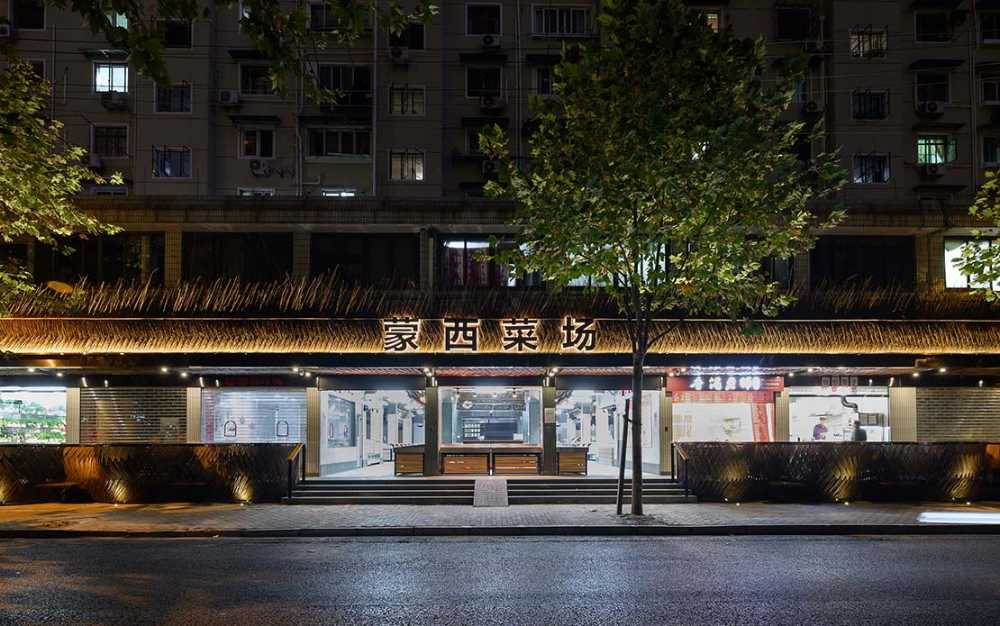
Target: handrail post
302, 462
290, 479
673, 462
687, 472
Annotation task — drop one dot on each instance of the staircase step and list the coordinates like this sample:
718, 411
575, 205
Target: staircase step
310, 499
590, 499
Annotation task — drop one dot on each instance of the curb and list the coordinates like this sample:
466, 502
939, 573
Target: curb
521, 531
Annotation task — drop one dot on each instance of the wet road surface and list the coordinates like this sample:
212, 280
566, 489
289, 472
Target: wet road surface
539, 581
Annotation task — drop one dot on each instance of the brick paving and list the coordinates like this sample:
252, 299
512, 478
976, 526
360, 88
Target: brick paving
177, 517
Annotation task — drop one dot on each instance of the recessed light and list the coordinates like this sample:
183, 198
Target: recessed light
942, 369
184, 374
164, 369
915, 374
31, 370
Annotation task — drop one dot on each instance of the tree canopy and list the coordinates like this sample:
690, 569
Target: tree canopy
666, 169
980, 259
39, 173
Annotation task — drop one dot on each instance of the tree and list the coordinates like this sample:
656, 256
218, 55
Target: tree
980, 262
39, 174
664, 171
284, 33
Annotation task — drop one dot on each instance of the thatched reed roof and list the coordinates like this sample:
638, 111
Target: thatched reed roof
327, 296
327, 336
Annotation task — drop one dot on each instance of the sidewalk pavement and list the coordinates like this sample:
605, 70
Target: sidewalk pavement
201, 520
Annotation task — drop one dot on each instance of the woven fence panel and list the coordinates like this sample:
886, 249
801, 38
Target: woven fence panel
835, 472
145, 473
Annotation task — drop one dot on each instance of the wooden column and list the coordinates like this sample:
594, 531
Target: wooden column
432, 430
314, 431
193, 415
550, 465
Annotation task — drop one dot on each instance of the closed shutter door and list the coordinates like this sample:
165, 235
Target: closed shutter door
133, 415
253, 415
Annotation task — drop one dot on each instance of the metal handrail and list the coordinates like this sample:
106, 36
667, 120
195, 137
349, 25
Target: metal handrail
296, 456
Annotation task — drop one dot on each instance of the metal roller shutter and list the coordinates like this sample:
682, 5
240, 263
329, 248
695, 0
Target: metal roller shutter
253, 415
133, 415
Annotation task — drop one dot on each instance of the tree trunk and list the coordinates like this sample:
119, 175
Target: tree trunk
637, 361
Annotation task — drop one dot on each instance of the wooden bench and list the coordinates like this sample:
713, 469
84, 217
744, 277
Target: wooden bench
514, 463
466, 462
572, 461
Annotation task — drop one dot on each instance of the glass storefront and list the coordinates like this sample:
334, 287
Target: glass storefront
830, 413
723, 416
359, 429
593, 418
32, 415
253, 415
491, 415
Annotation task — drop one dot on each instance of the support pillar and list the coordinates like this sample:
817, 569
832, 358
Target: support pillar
73, 415
193, 415
432, 431
781, 416
172, 258
314, 431
666, 431
550, 458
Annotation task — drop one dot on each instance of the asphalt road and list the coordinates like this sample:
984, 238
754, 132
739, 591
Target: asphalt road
686, 580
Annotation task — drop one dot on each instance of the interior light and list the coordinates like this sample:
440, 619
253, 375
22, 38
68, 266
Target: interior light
309, 374
942, 369
915, 374
810, 369
791, 374
164, 369
980, 382
184, 374
201, 381
31, 370
59, 374
295, 369
105, 382
83, 381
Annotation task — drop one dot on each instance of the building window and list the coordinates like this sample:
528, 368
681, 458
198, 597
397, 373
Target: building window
482, 19
954, 278
711, 17
110, 77
172, 162
176, 33
255, 80
561, 21
481, 82
870, 105
353, 83
411, 37
257, 143
339, 142
254, 192
989, 26
463, 264
117, 20
173, 99
406, 165
932, 87
870, 169
880, 261
253, 257
936, 149
407, 101
320, 18
543, 80
869, 43
932, 26
793, 24
991, 89
991, 151
110, 142
27, 14
109, 190
367, 259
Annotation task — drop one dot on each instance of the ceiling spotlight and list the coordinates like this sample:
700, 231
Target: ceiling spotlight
428, 371
164, 369
942, 370
915, 374
810, 369
184, 374
309, 374
295, 368
980, 382
59, 374
791, 374
683, 369
31, 370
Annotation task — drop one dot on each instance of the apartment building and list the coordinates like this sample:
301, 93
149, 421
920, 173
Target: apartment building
227, 178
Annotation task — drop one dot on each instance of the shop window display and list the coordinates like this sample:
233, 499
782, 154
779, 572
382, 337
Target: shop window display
832, 414
360, 429
735, 416
510, 415
32, 415
594, 418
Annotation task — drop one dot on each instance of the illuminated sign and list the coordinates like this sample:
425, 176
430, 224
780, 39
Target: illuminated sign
726, 382
516, 334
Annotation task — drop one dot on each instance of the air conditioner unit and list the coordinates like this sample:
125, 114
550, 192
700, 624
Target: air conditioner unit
94, 161
114, 100
490, 42
490, 167
229, 97
933, 169
813, 106
399, 55
6, 32
930, 107
491, 103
